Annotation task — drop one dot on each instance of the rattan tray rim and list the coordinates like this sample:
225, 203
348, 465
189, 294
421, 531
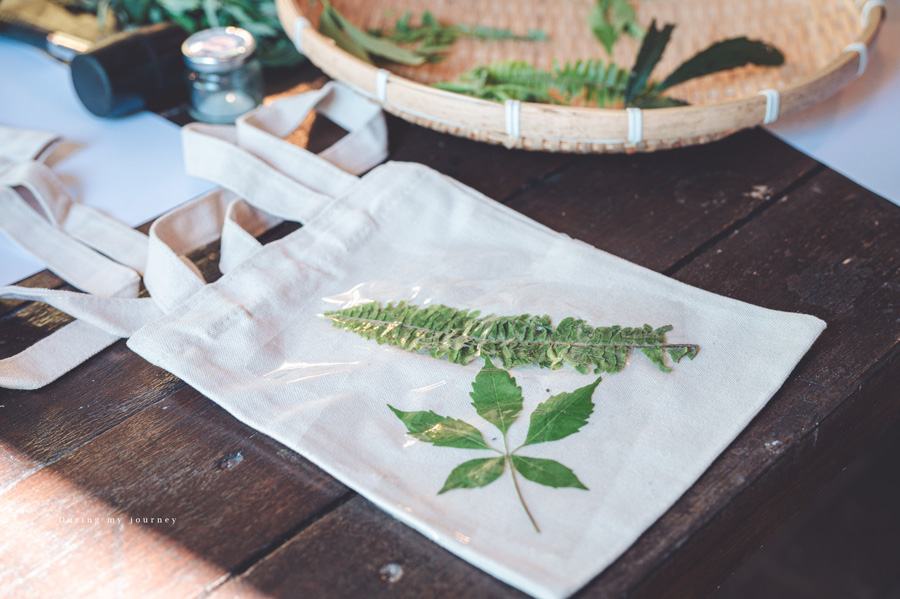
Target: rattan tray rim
551, 127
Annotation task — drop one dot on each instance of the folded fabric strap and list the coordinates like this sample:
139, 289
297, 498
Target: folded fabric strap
269, 180
88, 225
24, 144
102, 322
40, 217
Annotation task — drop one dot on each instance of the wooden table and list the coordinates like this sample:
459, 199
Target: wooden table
747, 217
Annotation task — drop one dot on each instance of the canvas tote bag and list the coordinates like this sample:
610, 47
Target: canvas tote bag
540, 476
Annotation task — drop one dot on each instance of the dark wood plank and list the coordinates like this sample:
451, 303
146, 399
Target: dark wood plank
493, 170
366, 553
841, 264
844, 545
232, 492
656, 209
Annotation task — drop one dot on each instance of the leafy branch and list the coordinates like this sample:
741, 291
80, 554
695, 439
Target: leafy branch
432, 37
461, 336
497, 399
256, 16
425, 41
608, 19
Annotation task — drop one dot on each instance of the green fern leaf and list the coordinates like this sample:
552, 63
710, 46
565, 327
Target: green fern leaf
591, 79
461, 336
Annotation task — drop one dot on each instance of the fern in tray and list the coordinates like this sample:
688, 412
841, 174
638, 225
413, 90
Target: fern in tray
591, 80
461, 336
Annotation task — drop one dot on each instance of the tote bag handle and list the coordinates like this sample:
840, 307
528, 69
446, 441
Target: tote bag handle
101, 322
266, 179
40, 217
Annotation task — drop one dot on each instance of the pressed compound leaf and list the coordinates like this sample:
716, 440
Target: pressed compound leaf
462, 336
561, 415
475, 473
549, 473
441, 430
496, 397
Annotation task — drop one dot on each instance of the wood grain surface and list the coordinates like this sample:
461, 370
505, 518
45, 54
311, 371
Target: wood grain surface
746, 217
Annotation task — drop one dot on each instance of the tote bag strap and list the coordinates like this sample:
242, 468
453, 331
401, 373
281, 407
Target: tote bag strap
278, 180
253, 160
49, 199
70, 259
24, 144
40, 217
101, 322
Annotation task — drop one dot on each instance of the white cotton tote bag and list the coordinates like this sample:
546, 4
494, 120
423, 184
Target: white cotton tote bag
596, 463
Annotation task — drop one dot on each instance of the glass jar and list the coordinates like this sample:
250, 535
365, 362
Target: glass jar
225, 77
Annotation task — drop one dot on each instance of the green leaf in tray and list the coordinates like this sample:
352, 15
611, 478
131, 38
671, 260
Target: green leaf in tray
368, 43
723, 56
329, 26
652, 48
608, 19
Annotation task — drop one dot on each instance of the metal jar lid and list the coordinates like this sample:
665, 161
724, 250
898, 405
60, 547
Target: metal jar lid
218, 49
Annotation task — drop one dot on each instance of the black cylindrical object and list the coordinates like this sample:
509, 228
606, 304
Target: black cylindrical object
132, 71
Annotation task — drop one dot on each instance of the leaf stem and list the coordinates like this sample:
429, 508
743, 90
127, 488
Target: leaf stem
512, 469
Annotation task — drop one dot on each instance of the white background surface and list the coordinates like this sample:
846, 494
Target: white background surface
130, 167
857, 131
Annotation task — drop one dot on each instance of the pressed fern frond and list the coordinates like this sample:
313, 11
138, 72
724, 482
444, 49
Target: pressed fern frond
461, 336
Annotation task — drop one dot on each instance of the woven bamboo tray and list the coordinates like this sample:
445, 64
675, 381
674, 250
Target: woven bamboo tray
814, 36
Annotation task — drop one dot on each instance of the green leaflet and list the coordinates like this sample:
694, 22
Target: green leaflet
498, 400
461, 336
441, 430
474, 473
549, 473
496, 397
561, 415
